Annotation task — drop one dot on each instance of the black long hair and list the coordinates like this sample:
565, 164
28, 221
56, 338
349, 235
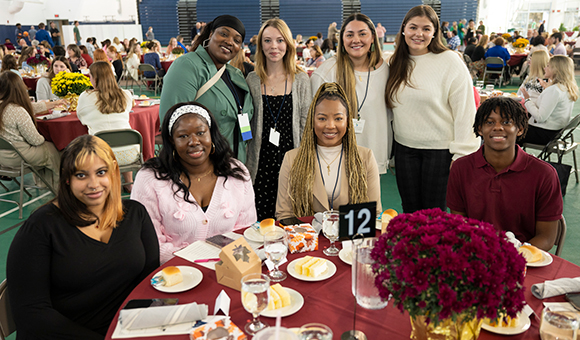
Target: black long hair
168, 167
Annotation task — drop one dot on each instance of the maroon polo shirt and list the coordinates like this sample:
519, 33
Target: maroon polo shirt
512, 200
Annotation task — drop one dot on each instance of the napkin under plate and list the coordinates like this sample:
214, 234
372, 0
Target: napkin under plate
556, 287
162, 316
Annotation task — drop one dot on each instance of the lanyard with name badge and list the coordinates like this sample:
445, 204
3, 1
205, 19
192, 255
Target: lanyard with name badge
331, 200
243, 119
359, 124
275, 135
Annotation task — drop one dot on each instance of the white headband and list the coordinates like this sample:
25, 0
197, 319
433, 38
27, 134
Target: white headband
188, 109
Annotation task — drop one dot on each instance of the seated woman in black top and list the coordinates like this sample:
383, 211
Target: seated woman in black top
77, 258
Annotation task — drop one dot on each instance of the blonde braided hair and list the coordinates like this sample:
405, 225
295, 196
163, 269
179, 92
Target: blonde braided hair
304, 168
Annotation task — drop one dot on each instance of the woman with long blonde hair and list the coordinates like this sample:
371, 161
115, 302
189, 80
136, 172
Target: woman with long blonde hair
170, 46
281, 95
552, 110
133, 60
531, 84
328, 169
359, 69
431, 94
75, 260
107, 108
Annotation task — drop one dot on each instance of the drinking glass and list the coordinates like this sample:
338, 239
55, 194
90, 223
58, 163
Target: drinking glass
276, 248
363, 278
489, 88
255, 299
330, 230
558, 325
479, 83
315, 331
270, 334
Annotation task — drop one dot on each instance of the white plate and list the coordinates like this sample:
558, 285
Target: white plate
523, 326
328, 273
546, 260
139, 98
345, 256
253, 235
297, 301
191, 278
146, 105
378, 224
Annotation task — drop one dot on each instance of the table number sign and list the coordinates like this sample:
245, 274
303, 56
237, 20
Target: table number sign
357, 219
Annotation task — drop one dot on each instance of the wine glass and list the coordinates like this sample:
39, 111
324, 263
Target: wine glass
315, 331
558, 325
330, 230
255, 299
276, 248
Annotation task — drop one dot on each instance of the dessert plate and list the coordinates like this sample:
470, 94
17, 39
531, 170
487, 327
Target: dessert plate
522, 326
345, 256
546, 260
297, 301
191, 278
331, 270
253, 235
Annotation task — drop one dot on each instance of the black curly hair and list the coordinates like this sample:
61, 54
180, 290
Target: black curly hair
168, 167
508, 109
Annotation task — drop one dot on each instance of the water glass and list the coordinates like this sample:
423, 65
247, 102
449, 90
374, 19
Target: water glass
270, 334
479, 83
489, 88
330, 230
276, 248
255, 299
315, 331
363, 278
558, 325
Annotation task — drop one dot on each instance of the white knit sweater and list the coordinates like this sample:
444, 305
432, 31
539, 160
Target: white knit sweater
438, 111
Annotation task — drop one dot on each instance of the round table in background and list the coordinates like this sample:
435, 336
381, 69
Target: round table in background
30, 82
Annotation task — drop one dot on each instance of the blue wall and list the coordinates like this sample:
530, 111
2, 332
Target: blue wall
162, 16
389, 13
248, 11
308, 17
455, 10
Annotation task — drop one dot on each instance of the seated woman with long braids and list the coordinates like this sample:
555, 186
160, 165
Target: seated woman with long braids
328, 169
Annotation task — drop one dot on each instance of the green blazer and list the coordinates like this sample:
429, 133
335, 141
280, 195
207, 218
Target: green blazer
188, 74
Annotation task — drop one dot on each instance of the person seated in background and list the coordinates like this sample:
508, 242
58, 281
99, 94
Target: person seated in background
41, 50
470, 48
85, 54
502, 184
116, 61
21, 44
75, 260
348, 174
531, 84
47, 49
152, 58
27, 52
454, 41
559, 48
195, 189
133, 60
101, 55
306, 51
9, 63
552, 110
170, 46
75, 56
180, 43
317, 58
327, 48
117, 44
89, 46
499, 51
43, 88
60, 51
8, 44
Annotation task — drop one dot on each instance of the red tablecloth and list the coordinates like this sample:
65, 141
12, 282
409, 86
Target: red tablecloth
331, 301
516, 59
30, 82
166, 64
62, 131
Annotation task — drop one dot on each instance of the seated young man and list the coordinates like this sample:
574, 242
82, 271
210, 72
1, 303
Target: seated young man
502, 184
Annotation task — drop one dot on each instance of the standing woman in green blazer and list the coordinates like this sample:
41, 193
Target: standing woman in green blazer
228, 98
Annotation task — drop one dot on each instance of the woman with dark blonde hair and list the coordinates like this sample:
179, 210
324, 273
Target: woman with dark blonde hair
328, 169
133, 60
75, 56
360, 70
75, 260
43, 88
281, 95
431, 94
107, 107
317, 57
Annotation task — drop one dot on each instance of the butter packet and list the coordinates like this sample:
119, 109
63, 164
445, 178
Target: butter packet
301, 238
219, 328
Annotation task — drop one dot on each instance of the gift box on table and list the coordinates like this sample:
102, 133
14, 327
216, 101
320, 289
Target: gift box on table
237, 260
301, 238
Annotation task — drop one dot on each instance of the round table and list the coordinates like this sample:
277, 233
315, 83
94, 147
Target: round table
62, 131
30, 82
166, 64
331, 301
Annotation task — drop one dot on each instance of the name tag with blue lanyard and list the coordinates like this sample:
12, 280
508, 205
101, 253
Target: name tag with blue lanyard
243, 118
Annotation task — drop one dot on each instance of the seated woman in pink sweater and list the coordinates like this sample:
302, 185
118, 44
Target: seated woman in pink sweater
195, 189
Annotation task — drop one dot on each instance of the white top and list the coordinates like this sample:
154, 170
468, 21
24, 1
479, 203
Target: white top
43, 90
532, 85
552, 110
330, 158
89, 114
439, 110
133, 66
377, 132
306, 53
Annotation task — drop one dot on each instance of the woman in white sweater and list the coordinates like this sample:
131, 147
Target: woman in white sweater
43, 89
552, 110
359, 69
133, 60
431, 95
105, 108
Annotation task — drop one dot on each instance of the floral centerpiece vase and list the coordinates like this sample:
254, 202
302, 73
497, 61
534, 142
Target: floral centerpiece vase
448, 272
69, 86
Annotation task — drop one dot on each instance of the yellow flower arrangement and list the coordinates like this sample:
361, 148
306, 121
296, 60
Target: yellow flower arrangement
65, 82
313, 38
505, 36
520, 43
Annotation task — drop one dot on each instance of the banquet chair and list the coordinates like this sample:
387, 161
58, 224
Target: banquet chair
562, 144
7, 325
559, 243
500, 72
144, 80
124, 137
125, 76
19, 171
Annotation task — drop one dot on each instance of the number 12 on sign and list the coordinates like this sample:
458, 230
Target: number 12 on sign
357, 219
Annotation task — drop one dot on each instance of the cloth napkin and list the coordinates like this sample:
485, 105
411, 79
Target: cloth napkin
556, 287
54, 115
162, 316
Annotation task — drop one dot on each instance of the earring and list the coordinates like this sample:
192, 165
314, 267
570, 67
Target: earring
403, 33
174, 155
67, 182
212, 149
205, 43
372, 47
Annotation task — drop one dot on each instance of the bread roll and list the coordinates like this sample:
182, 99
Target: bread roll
387, 216
267, 226
530, 253
171, 275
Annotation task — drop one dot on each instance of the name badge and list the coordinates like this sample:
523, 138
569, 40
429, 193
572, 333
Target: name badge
244, 122
359, 125
274, 137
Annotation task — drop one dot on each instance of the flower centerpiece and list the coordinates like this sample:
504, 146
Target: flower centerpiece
447, 270
38, 60
69, 86
520, 44
144, 48
177, 51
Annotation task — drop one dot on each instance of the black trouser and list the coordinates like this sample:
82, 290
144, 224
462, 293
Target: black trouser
422, 176
536, 135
